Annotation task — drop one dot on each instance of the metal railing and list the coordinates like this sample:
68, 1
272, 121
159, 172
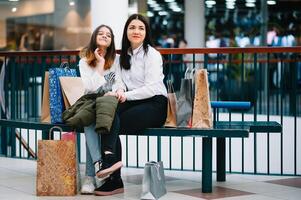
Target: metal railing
268, 77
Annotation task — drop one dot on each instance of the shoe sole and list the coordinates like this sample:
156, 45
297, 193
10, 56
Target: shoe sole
117, 191
109, 171
86, 193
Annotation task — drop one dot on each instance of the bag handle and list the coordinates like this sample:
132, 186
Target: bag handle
189, 73
52, 129
170, 88
157, 167
65, 65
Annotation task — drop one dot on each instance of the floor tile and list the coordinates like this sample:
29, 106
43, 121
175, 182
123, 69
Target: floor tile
217, 193
292, 182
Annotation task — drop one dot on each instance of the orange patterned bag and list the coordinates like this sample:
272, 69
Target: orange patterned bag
56, 167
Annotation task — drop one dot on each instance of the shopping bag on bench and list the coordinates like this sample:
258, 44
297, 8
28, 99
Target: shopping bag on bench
56, 98
153, 184
56, 167
202, 115
45, 111
72, 89
185, 100
171, 119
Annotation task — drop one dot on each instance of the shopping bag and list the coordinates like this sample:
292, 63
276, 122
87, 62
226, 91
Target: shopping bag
153, 184
56, 168
202, 115
56, 98
72, 89
185, 100
69, 136
171, 119
45, 113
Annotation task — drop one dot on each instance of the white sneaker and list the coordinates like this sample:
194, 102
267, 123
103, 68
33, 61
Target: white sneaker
88, 186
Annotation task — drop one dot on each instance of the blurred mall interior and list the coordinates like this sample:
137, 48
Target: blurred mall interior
67, 24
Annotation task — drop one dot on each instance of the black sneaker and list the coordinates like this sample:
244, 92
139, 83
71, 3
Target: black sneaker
109, 165
112, 186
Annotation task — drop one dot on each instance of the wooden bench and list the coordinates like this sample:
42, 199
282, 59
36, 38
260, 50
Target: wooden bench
220, 131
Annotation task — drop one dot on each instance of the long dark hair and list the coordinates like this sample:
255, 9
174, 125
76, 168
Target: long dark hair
88, 51
124, 57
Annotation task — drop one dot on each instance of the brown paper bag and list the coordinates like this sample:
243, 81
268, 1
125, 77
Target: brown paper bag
202, 115
72, 89
56, 168
171, 119
45, 113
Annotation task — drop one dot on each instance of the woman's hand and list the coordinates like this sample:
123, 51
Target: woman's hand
113, 94
121, 95
100, 60
99, 55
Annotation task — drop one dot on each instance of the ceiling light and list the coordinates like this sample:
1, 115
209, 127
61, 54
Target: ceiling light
150, 14
250, 1
230, 7
168, 1
14, 9
157, 8
163, 13
210, 2
13, 0
177, 9
250, 5
71, 3
151, 2
271, 2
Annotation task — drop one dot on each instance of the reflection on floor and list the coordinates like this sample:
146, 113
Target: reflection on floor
17, 181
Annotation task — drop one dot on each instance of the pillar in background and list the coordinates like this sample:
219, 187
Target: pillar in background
194, 19
112, 13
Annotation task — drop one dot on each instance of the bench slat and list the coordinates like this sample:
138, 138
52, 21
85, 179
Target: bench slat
258, 126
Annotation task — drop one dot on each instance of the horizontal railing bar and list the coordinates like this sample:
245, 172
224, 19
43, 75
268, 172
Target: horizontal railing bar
228, 50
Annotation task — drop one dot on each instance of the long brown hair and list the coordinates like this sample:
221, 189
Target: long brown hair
88, 51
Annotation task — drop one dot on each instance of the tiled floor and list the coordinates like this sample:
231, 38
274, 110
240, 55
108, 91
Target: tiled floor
17, 181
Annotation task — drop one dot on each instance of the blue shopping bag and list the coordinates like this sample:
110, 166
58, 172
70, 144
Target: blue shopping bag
56, 102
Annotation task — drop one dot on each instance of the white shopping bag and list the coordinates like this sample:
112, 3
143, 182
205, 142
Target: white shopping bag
153, 185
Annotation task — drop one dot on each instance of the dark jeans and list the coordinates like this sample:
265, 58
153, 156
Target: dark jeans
133, 116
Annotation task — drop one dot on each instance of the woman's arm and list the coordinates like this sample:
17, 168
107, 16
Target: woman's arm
91, 78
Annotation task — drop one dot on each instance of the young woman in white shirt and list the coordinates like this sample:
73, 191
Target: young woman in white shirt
97, 67
143, 95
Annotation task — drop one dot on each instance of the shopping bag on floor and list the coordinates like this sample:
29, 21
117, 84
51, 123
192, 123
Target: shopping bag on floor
202, 114
171, 119
45, 113
72, 89
153, 185
56, 98
56, 167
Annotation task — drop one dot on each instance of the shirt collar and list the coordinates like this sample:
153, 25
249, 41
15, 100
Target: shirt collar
135, 51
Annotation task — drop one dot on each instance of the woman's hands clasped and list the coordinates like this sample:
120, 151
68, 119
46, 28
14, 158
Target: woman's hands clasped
119, 94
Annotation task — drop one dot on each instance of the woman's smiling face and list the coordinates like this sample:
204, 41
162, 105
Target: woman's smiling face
104, 37
136, 33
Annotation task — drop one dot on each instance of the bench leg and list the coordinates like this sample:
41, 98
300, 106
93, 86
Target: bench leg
221, 159
207, 165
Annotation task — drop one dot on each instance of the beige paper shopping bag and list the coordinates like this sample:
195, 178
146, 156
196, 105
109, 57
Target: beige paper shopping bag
202, 114
72, 89
45, 113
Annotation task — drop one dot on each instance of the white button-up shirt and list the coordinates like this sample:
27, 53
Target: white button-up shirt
145, 77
